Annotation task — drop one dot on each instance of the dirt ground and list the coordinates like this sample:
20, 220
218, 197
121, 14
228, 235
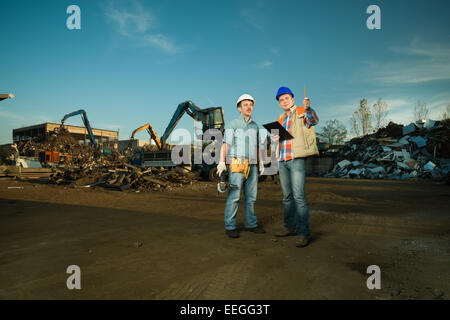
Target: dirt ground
172, 245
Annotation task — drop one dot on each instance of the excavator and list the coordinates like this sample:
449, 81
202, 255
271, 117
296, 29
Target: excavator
211, 118
150, 131
54, 156
86, 124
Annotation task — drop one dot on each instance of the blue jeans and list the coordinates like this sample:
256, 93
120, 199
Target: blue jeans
250, 186
296, 211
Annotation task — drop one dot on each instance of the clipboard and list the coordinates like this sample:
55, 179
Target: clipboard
284, 134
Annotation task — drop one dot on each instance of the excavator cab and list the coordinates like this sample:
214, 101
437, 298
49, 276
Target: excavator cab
214, 118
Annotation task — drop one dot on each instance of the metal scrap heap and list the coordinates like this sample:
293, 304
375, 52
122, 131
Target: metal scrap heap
122, 176
60, 141
89, 167
397, 152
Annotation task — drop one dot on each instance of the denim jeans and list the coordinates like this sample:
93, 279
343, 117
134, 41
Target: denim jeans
250, 185
292, 180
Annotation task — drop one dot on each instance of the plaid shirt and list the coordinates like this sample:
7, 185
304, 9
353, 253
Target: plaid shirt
311, 119
286, 145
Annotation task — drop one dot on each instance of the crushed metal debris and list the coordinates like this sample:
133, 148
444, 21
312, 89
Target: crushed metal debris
397, 152
85, 167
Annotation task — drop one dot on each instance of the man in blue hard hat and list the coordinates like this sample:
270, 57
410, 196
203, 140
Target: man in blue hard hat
299, 121
240, 150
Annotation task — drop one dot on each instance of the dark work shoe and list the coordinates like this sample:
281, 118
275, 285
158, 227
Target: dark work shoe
232, 233
302, 242
256, 230
285, 232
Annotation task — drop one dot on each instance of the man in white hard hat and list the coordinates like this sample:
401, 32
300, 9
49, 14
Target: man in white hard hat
240, 150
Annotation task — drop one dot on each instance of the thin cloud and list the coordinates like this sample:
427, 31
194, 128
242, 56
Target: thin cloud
253, 18
414, 72
400, 110
418, 47
162, 42
9, 115
274, 51
395, 103
129, 22
25, 120
343, 112
420, 62
136, 22
265, 64
436, 107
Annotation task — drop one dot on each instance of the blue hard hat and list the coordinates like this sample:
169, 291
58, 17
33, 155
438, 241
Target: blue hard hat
284, 90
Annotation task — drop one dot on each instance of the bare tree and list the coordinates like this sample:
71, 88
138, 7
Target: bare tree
446, 113
362, 118
333, 133
380, 111
354, 125
421, 111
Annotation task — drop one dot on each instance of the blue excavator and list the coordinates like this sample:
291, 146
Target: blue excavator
54, 157
86, 124
211, 118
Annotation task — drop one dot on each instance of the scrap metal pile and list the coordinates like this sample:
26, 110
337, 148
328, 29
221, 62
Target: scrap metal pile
60, 141
398, 152
119, 175
89, 167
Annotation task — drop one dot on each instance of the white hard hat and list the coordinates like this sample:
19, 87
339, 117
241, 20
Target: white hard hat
245, 96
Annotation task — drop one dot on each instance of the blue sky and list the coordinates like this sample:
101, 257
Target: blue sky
133, 61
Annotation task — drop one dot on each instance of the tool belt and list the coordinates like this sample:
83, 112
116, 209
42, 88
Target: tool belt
240, 165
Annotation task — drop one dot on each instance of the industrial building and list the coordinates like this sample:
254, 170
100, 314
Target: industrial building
108, 138
135, 144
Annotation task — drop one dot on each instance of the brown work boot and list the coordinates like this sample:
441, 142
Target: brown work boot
285, 232
302, 242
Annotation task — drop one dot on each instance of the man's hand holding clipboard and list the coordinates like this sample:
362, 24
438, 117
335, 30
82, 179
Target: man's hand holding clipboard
283, 134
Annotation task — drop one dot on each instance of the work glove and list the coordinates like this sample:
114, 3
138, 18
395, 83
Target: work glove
221, 167
277, 153
261, 168
275, 137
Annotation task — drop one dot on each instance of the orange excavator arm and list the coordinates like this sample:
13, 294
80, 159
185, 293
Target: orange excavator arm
150, 131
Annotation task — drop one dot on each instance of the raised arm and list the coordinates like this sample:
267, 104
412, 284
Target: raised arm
311, 118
